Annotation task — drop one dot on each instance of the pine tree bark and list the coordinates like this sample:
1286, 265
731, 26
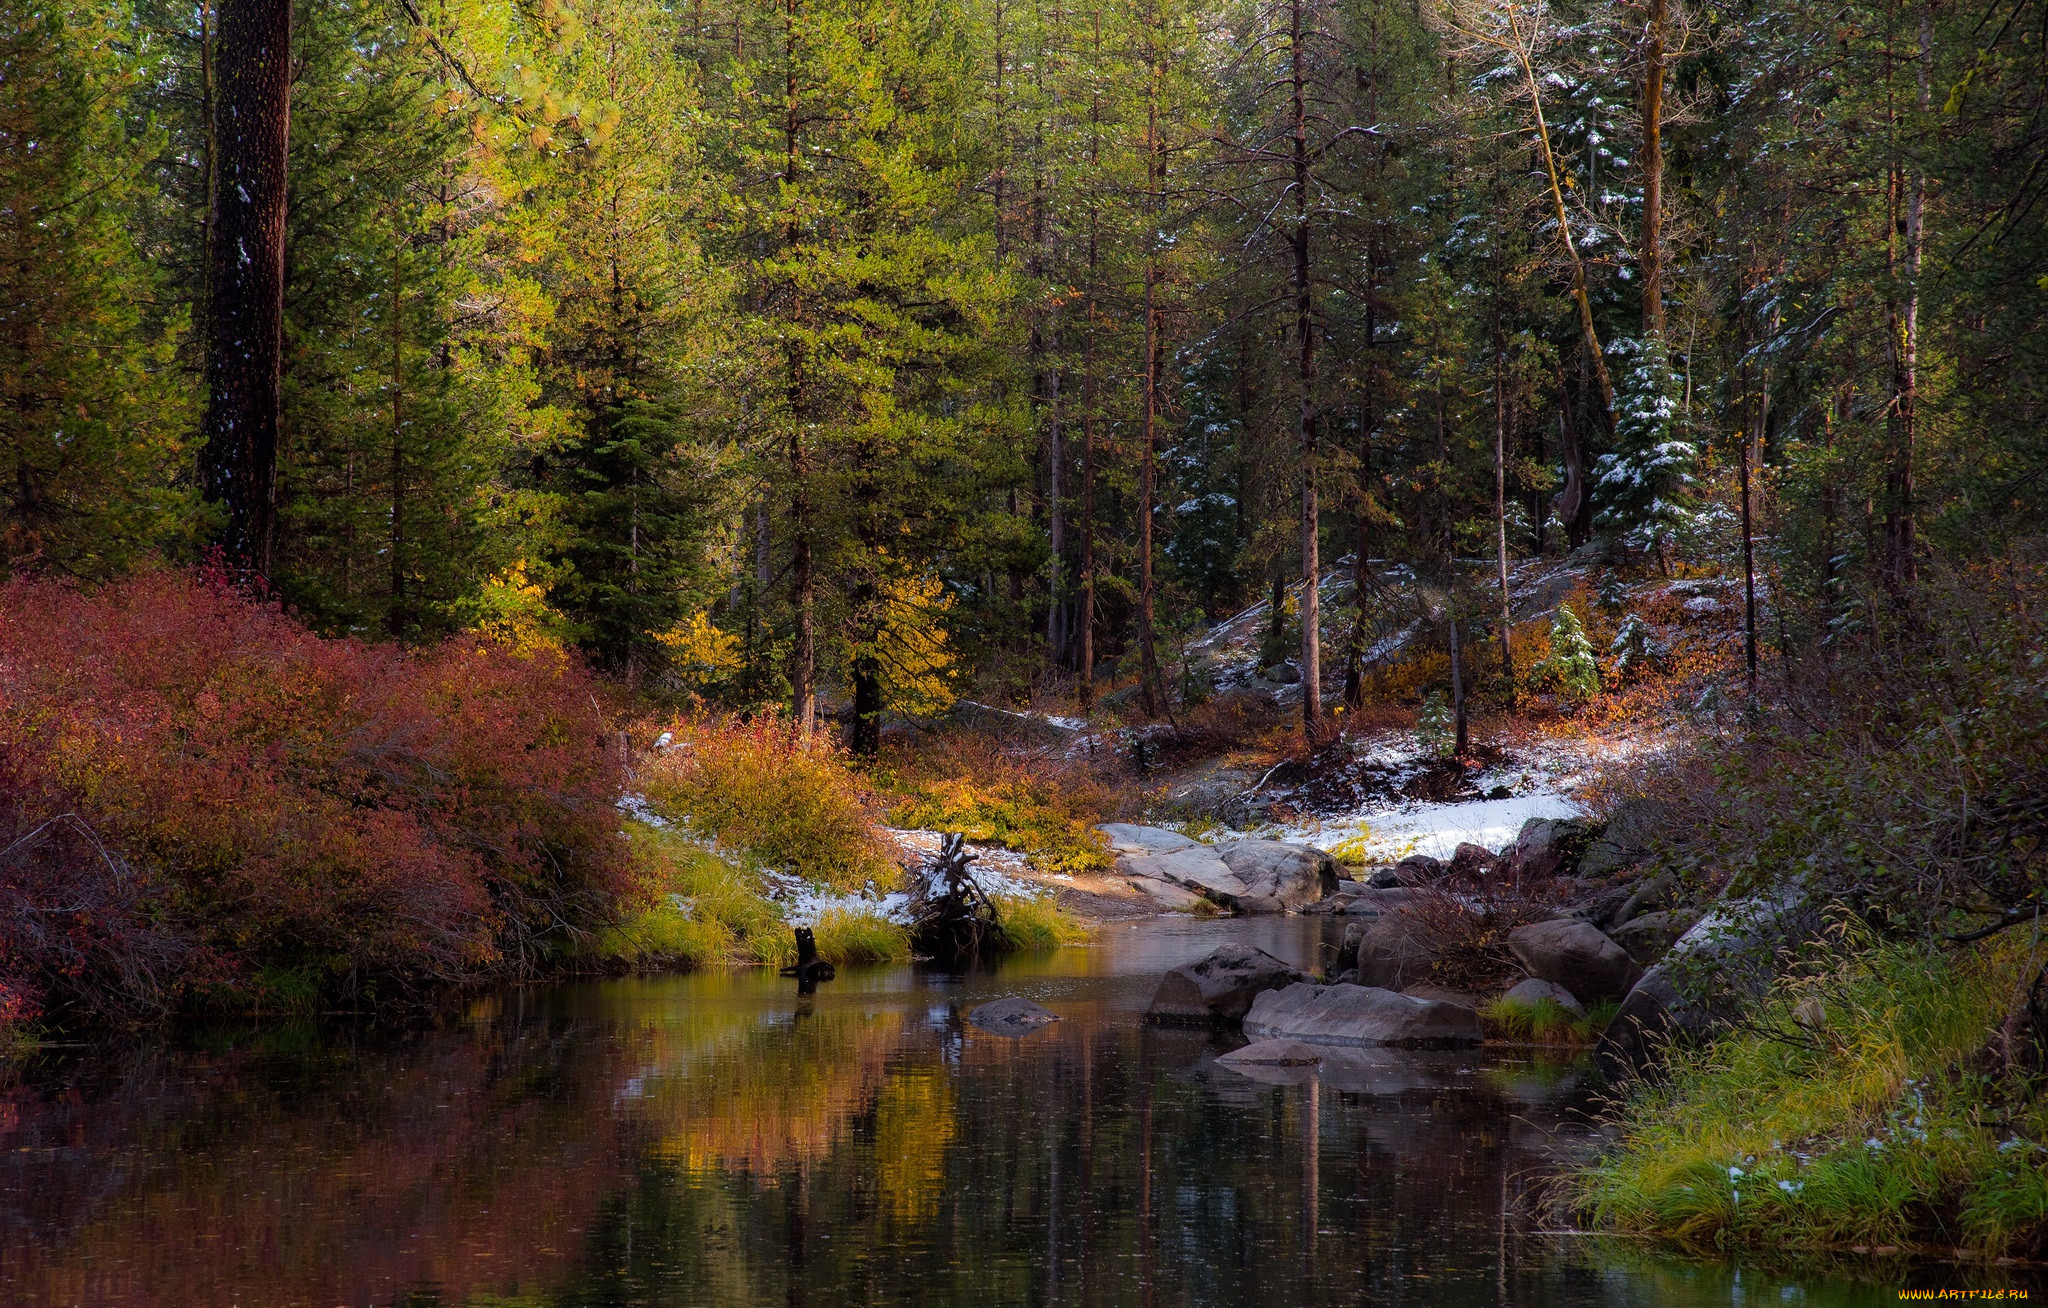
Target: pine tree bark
1151, 688
1651, 255
1305, 377
251, 66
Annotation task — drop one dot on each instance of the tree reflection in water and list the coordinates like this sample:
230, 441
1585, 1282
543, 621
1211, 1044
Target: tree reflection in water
716, 1140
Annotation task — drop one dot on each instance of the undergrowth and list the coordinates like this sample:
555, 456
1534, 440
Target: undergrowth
1041, 808
759, 787
1873, 1103
1036, 922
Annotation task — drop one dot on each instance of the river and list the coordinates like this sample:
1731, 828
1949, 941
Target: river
714, 1139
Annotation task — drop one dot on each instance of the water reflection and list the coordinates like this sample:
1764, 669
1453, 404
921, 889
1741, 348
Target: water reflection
719, 1140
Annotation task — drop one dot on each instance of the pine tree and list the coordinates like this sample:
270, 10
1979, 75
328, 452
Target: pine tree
92, 419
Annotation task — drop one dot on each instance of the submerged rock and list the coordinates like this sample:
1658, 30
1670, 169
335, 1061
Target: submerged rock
1220, 989
1272, 1053
1011, 1017
1359, 1015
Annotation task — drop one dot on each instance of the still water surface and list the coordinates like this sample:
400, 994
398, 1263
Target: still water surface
717, 1140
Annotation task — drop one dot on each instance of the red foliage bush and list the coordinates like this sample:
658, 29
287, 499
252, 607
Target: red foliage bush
246, 796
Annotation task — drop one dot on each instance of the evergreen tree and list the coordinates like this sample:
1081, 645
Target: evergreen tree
92, 419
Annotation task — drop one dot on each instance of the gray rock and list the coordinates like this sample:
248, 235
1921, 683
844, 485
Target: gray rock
1129, 838
1545, 847
1291, 875
1166, 896
1724, 960
1650, 896
1198, 868
1011, 1017
1272, 1053
1359, 1015
1576, 956
1218, 990
1601, 907
1394, 950
1385, 878
1649, 937
1529, 990
1628, 838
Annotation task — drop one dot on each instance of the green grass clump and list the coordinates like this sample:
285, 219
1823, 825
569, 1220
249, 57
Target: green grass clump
847, 935
1037, 922
1546, 1022
1863, 1105
700, 910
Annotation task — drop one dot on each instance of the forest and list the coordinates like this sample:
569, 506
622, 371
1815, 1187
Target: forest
431, 427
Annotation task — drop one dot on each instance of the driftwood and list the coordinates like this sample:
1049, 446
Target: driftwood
956, 922
809, 968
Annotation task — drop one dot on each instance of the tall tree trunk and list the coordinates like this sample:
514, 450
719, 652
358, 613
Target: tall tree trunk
1652, 253
1500, 489
803, 582
245, 275
1463, 738
395, 617
1905, 344
1305, 377
1086, 615
1151, 687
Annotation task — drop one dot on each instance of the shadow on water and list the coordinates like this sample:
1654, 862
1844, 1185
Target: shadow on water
720, 1140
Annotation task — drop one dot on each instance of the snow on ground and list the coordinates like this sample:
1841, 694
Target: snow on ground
1438, 829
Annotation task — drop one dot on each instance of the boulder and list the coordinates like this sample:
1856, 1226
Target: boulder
1418, 869
1394, 950
1272, 1053
1129, 838
1359, 1015
1384, 878
1726, 958
1545, 847
1602, 906
1652, 895
1470, 860
1198, 868
1218, 990
1529, 991
1166, 896
1628, 837
1649, 937
1011, 1017
1290, 875
1576, 956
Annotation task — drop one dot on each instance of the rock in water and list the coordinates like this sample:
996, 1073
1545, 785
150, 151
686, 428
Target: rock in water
1218, 990
1292, 876
1272, 1053
1394, 950
1576, 956
1359, 1015
1011, 1017
1530, 992
1166, 896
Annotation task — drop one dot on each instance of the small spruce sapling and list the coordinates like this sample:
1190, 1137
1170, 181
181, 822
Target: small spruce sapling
1635, 649
1435, 729
1569, 667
